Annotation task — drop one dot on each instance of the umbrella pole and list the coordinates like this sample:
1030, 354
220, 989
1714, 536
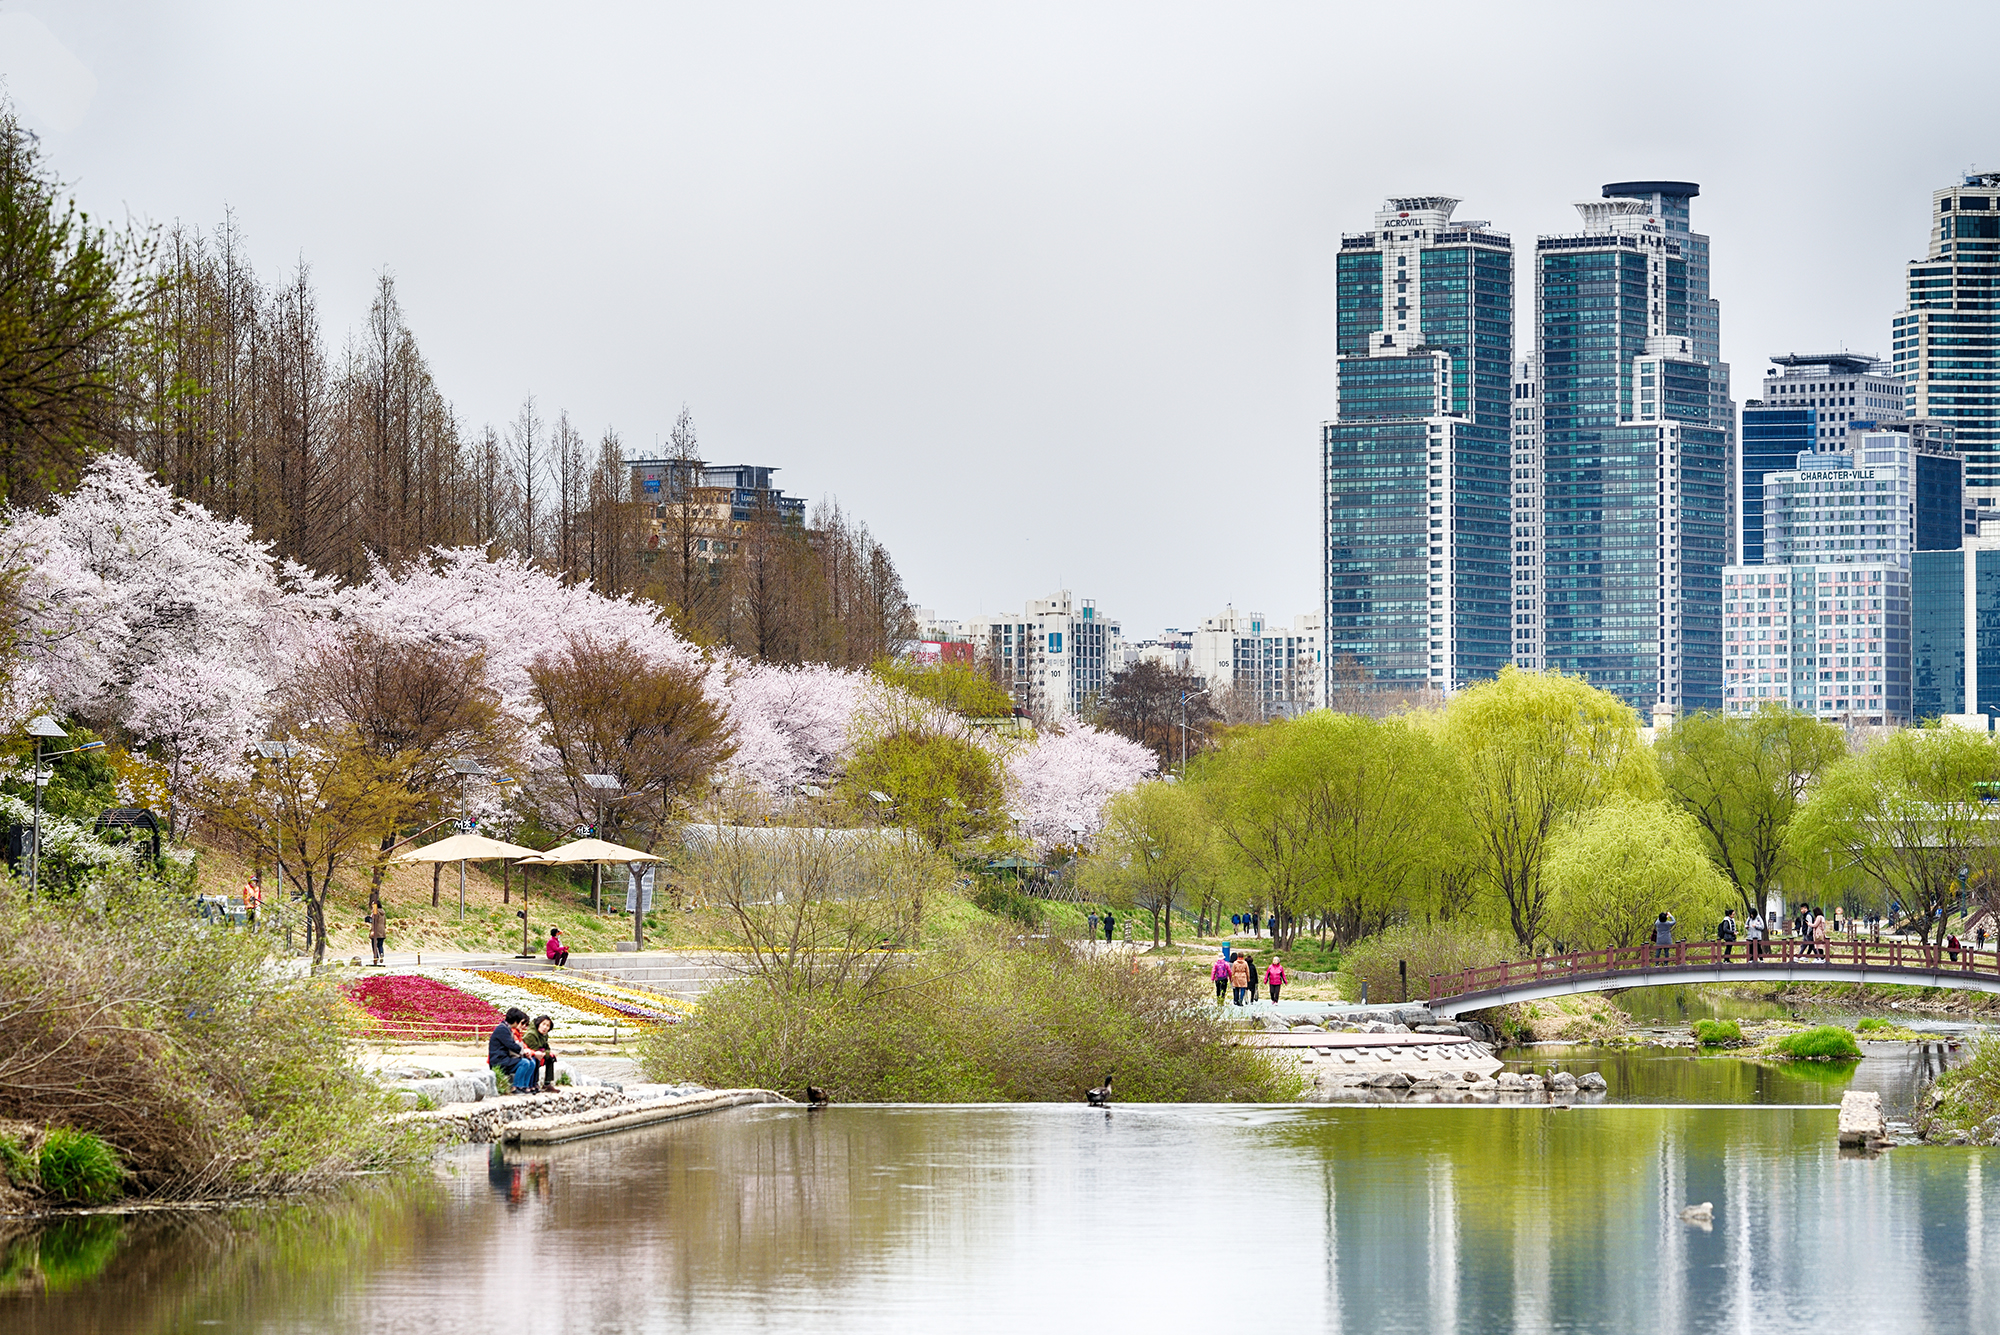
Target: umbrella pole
461, 889
638, 906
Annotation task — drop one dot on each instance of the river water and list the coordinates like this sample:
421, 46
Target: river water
1019, 1217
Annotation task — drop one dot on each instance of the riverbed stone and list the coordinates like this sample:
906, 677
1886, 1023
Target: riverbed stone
470, 1088
1861, 1121
1593, 1082
1510, 1080
1562, 1080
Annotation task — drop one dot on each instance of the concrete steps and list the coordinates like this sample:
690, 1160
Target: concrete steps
681, 976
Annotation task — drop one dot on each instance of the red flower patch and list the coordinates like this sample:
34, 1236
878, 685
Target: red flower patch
418, 1007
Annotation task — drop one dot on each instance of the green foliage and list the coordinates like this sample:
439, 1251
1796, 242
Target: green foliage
1427, 949
1827, 1042
1966, 1096
1743, 779
65, 307
963, 690
65, 1255
1611, 871
947, 788
980, 1019
1905, 813
17, 1165
1308, 954
78, 1168
1158, 841
1714, 1033
203, 1066
1003, 902
1534, 749
1873, 1023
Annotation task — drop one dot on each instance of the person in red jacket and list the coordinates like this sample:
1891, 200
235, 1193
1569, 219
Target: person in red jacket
1274, 976
555, 949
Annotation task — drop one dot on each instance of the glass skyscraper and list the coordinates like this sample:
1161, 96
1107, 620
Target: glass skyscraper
1636, 438
1947, 338
1415, 463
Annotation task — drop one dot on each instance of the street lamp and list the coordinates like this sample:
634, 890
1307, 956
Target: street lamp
42, 728
1185, 697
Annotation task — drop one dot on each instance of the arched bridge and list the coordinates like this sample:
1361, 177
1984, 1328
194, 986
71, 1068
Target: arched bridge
1911, 964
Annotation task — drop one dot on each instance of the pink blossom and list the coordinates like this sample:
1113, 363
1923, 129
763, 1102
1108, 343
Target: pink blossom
1058, 784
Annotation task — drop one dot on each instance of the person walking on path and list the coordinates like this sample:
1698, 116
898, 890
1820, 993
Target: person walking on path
1109, 922
1220, 973
378, 930
1274, 976
1250, 963
253, 897
1819, 937
1663, 937
1753, 945
555, 949
1093, 924
1725, 932
1239, 977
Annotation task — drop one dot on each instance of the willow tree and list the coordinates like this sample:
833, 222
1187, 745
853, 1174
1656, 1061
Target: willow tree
1534, 749
1743, 779
1157, 844
1906, 813
1613, 870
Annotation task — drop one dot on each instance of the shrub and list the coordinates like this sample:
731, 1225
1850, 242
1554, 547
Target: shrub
1443, 948
1966, 1096
1827, 1042
1871, 1024
1714, 1033
1002, 902
78, 1168
204, 1068
981, 1019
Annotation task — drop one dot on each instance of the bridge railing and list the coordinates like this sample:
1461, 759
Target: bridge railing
1837, 953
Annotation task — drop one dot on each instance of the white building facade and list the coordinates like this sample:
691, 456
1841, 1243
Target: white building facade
1278, 666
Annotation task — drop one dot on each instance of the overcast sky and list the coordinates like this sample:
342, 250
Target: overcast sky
1043, 293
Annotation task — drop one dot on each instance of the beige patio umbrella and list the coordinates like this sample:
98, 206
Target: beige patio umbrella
463, 848
600, 851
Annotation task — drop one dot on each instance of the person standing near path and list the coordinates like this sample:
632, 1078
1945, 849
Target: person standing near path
253, 897
1663, 937
1274, 976
378, 930
1753, 946
1250, 963
1220, 973
1725, 932
1819, 937
1109, 922
1239, 977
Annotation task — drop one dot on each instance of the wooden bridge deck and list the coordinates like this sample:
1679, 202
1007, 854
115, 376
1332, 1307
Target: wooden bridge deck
1909, 964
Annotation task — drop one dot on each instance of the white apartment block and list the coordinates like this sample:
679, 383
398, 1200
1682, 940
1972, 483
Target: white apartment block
1054, 657
1279, 665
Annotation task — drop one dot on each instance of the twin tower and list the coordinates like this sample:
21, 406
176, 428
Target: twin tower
1569, 510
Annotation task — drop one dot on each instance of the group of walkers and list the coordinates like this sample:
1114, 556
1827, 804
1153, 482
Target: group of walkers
1237, 973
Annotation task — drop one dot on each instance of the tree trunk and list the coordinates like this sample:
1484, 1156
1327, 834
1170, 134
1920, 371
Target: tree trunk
506, 882
316, 919
437, 870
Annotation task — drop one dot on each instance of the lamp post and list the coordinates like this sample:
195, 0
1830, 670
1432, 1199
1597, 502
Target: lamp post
42, 728
1185, 697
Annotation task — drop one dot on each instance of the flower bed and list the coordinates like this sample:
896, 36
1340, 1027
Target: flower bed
412, 1006
577, 999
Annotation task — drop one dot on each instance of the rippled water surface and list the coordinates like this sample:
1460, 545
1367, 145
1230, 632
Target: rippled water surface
1024, 1217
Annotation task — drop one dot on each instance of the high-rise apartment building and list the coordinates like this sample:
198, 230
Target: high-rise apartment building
1526, 486
1811, 402
1947, 338
1417, 510
1271, 668
1636, 438
1053, 658
1824, 623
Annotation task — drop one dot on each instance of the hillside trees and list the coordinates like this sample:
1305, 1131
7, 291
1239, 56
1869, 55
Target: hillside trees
66, 306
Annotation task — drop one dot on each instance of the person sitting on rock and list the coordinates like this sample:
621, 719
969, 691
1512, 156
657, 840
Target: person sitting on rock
505, 1054
537, 1040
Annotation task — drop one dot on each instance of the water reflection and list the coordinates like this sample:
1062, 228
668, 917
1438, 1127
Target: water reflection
999, 1218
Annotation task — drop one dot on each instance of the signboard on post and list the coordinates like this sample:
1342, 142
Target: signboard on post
639, 890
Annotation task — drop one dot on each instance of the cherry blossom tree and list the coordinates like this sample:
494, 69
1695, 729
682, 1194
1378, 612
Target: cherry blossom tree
1059, 783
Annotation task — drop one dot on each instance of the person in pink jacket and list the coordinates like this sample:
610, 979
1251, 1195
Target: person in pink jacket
1274, 976
1220, 973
